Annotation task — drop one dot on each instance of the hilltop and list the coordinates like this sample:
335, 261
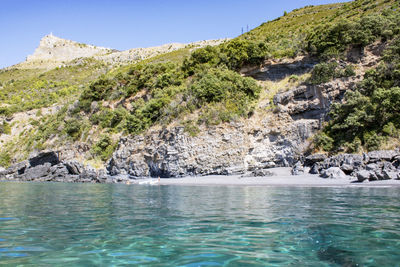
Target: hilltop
54, 52
318, 79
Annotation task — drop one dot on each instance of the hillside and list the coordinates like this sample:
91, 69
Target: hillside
320, 78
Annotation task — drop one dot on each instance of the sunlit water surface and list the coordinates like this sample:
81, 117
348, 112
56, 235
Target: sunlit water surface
56, 224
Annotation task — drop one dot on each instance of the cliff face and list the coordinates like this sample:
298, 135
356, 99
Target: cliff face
274, 138
231, 149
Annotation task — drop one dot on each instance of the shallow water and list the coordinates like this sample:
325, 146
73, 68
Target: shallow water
60, 224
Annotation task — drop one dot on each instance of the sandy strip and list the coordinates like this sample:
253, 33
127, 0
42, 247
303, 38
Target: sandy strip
282, 177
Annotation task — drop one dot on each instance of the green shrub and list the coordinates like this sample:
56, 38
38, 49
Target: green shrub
332, 40
5, 159
349, 71
103, 148
98, 90
73, 128
323, 141
325, 72
5, 128
369, 114
293, 78
191, 128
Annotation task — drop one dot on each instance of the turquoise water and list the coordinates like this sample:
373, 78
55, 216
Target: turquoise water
55, 224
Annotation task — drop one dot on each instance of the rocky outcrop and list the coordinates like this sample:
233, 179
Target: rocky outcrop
313, 101
237, 148
46, 166
275, 70
372, 166
57, 49
227, 149
55, 52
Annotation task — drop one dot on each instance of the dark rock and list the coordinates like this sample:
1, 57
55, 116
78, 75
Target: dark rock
380, 155
74, 167
297, 169
363, 175
387, 166
396, 162
37, 172
315, 168
314, 158
44, 157
18, 168
262, 172
59, 170
378, 175
391, 174
372, 167
347, 168
333, 172
356, 161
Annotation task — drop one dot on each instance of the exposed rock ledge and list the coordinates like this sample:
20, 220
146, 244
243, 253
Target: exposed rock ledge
372, 166
46, 166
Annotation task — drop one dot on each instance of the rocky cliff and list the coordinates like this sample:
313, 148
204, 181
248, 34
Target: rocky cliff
58, 50
268, 139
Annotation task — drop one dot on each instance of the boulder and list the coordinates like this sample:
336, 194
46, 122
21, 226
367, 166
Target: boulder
44, 157
333, 172
262, 172
381, 155
37, 172
74, 167
314, 158
297, 169
391, 175
18, 168
396, 162
315, 168
388, 166
347, 168
372, 167
363, 175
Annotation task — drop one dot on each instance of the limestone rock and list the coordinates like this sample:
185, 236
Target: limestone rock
333, 173
363, 175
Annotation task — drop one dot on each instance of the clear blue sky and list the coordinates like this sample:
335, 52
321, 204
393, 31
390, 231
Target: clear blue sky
124, 24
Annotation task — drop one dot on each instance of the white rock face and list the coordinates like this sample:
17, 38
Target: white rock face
54, 52
57, 49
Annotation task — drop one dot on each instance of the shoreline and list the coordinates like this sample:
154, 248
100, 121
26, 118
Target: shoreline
281, 178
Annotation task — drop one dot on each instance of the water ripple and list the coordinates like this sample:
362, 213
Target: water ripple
82, 224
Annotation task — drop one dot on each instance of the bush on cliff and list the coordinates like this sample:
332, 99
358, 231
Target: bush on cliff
103, 148
234, 55
370, 114
332, 40
325, 72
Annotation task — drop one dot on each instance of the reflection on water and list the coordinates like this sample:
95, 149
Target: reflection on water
86, 224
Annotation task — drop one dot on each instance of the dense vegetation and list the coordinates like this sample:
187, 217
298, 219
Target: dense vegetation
24, 90
370, 115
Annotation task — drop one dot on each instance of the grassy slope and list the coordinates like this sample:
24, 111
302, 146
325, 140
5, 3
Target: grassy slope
286, 35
